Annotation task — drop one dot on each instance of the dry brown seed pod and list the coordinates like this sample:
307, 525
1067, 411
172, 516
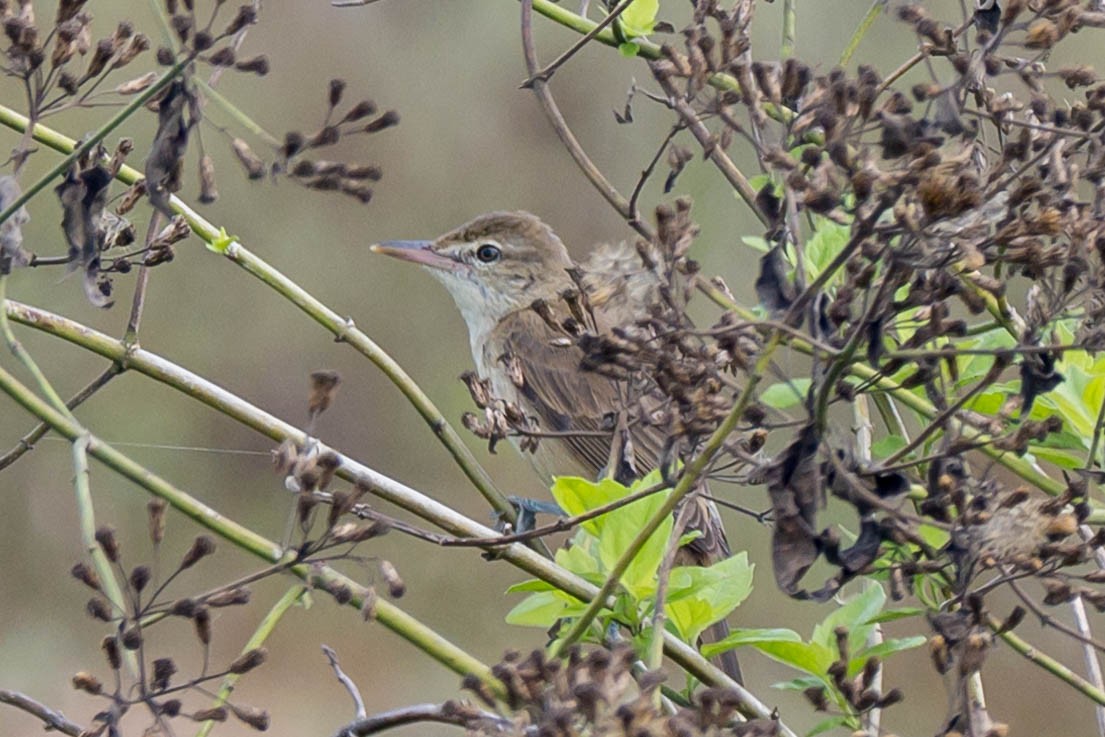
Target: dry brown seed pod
88, 683
251, 162
324, 387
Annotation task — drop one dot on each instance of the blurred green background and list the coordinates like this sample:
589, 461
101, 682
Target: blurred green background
469, 141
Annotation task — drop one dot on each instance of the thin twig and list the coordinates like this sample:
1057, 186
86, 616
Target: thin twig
449, 713
571, 143
50, 718
359, 710
27, 442
546, 73
709, 145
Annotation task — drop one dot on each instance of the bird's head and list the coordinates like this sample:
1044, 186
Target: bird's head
494, 265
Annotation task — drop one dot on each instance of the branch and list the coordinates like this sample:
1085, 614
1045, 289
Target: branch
395, 619
390, 490
342, 328
49, 717
540, 88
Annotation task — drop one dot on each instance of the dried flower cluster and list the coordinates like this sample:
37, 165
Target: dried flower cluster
966, 213
597, 693
160, 690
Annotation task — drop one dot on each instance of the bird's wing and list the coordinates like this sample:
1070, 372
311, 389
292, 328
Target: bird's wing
565, 398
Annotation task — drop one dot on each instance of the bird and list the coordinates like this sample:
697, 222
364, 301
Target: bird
513, 282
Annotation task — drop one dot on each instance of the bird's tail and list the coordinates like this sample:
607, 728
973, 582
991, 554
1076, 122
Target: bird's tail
709, 548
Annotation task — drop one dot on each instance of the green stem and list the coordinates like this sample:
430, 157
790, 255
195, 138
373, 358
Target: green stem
388, 489
85, 511
864, 26
389, 615
291, 597
1050, 664
918, 404
342, 328
790, 28
236, 113
693, 470
86, 145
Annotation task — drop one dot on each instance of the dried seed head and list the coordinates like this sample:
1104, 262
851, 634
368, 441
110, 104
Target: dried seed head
368, 607
361, 110
84, 573
285, 457
109, 542
258, 65
324, 387
249, 660
247, 15
213, 714
256, 718
155, 511
208, 191
140, 577
111, 651
224, 57
254, 166
202, 546
163, 671
231, 597
337, 89
396, 587
88, 683
132, 637
387, 120
202, 620
99, 609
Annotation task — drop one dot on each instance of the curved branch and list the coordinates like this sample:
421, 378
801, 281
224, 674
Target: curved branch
540, 87
50, 718
415, 502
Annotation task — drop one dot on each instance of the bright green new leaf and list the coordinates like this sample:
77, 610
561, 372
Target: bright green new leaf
891, 615
854, 615
832, 723
221, 242
538, 610
809, 657
698, 597
886, 446
885, 648
621, 528
785, 394
740, 637
639, 18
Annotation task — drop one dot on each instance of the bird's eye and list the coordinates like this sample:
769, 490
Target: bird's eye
488, 253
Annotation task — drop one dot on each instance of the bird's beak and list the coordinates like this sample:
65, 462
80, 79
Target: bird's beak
419, 252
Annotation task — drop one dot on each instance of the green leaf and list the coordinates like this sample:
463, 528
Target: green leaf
531, 585
639, 18
887, 446
221, 242
577, 495
809, 657
854, 615
621, 527
755, 242
579, 558
538, 610
785, 394
741, 637
700, 597
832, 723
799, 684
628, 49
887, 647
892, 614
